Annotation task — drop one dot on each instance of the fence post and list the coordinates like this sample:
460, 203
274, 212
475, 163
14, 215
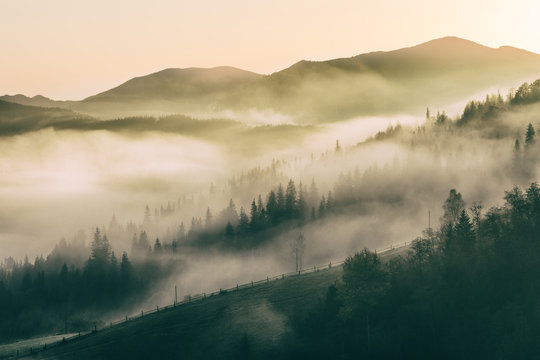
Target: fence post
330, 265
236, 286
267, 279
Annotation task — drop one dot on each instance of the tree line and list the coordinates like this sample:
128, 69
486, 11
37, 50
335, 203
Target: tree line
466, 290
53, 296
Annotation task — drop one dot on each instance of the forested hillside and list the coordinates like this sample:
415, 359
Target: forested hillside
268, 213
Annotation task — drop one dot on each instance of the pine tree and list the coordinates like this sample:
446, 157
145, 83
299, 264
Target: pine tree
272, 208
208, 219
290, 200
126, 272
181, 232
147, 217
337, 150
464, 232
322, 207
453, 207
313, 193
302, 207
100, 251
330, 201
229, 231
261, 212
254, 213
243, 223
157, 247
280, 199
230, 214
529, 135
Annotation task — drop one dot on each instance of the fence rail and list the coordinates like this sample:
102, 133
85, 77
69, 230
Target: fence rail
190, 299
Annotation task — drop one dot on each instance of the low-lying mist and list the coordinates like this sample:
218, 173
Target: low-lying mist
56, 182
367, 182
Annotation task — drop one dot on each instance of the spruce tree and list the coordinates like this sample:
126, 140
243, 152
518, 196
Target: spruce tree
529, 135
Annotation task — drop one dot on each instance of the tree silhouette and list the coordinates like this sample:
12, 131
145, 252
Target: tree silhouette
100, 251
453, 206
529, 135
290, 200
365, 282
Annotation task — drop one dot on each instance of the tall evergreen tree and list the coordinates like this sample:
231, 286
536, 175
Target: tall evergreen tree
313, 197
243, 223
280, 199
255, 220
157, 247
465, 232
272, 208
453, 206
181, 232
100, 250
322, 207
209, 219
290, 200
529, 135
229, 231
302, 207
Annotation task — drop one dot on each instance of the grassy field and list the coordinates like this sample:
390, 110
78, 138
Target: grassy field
25, 346
251, 320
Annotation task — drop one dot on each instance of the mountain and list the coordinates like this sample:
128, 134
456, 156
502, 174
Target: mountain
406, 80
170, 91
436, 73
37, 100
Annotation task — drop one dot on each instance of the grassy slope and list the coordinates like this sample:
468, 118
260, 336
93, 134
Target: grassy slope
213, 327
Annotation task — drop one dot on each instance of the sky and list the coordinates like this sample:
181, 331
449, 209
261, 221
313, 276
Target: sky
66, 49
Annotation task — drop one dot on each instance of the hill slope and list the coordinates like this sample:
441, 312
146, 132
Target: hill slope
169, 90
18, 119
404, 80
221, 326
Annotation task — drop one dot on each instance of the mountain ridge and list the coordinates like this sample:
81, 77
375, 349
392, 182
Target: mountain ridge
404, 80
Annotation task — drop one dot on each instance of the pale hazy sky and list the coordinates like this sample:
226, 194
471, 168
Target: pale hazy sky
70, 49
